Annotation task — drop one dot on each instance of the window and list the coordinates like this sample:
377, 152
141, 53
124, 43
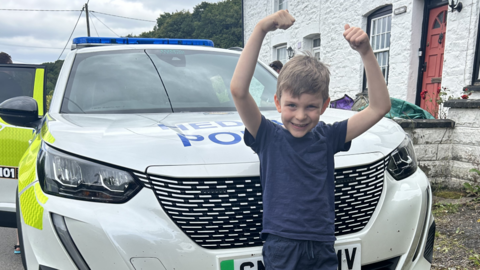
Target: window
281, 53
16, 81
280, 4
128, 81
316, 48
380, 41
379, 28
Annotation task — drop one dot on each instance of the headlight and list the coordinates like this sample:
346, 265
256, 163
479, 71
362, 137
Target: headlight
67, 176
403, 162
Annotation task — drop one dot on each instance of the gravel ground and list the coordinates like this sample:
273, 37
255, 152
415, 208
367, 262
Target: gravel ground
457, 237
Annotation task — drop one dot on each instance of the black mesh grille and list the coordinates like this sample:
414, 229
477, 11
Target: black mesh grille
357, 191
227, 212
389, 264
428, 254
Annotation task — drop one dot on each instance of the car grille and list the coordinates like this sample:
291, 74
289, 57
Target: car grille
227, 212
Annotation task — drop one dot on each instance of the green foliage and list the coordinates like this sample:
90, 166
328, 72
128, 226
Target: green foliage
475, 258
221, 22
473, 191
52, 69
440, 209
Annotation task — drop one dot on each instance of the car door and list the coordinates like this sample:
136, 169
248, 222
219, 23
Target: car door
16, 80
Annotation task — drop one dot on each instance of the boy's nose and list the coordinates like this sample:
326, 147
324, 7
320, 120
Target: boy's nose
301, 115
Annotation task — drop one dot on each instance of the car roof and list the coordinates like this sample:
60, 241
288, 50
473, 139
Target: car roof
152, 47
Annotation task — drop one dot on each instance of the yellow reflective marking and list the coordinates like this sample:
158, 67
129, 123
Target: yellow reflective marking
32, 211
26, 171
46, 135
41, 197
38, 89
13, 143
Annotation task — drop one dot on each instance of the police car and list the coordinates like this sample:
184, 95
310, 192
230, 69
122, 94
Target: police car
16, 80
140, 164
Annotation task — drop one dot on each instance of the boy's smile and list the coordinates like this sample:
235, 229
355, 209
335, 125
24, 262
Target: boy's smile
300, 114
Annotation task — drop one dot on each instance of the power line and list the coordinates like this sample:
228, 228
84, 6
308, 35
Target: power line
105, 24
122, 16
30, 46
70, 35
18, 9
94, 27
60, 10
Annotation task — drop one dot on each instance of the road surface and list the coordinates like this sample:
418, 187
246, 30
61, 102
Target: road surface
8, 260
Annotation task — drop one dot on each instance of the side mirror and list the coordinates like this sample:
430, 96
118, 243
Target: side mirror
20, 111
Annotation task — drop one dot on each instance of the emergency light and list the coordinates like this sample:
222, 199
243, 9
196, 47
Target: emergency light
113, 41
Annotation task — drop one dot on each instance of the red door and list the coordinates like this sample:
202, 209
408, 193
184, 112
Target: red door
432, 75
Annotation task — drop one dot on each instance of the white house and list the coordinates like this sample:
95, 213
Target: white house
421, 45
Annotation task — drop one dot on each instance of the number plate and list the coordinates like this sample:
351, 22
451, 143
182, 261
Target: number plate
9, 172
349, 257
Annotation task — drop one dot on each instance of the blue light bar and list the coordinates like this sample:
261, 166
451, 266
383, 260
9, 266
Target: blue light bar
173, 41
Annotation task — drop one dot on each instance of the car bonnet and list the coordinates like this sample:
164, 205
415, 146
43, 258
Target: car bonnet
138, 141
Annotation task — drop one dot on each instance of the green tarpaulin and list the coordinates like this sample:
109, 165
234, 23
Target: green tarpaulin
400, 109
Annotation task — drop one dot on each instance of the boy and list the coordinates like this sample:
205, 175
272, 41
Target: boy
296, 161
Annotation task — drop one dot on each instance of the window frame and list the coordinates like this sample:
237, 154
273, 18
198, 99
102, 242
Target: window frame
276, 5
281, 46
316, 50
381, 12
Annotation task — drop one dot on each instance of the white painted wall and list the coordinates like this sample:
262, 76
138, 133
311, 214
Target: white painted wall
327, 18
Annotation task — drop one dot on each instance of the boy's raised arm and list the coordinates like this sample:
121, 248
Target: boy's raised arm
379, 99
239, 86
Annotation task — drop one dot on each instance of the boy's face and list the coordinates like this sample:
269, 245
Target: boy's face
300, 115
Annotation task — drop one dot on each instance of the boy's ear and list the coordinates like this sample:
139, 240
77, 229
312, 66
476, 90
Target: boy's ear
277, 103
325, 105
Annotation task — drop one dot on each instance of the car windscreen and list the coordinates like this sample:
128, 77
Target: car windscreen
200, 80
16, 81
114, 82
138, 81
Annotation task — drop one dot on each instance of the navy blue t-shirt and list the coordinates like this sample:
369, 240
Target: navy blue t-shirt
297, 176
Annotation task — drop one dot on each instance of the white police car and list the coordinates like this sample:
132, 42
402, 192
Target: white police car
140, 164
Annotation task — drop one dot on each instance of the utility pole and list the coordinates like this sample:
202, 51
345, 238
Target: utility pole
88, 24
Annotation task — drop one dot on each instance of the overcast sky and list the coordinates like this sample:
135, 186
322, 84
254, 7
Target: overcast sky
34, 37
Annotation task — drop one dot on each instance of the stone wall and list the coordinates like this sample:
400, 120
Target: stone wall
447, 149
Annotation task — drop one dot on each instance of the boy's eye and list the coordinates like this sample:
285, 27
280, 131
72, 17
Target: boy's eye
291, 105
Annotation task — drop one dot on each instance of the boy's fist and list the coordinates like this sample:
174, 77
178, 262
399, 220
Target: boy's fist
357, 39
278, 20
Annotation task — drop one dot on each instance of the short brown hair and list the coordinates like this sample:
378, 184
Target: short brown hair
276, 65
304, 74
5, 58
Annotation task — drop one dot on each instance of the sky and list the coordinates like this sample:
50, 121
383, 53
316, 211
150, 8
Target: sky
34, 37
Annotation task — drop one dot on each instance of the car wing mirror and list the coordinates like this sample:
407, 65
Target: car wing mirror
20, 111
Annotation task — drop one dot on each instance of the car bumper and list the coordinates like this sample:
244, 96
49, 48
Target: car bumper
139, 234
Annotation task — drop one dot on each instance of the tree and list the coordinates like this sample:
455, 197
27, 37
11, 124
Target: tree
221, 22
52, 70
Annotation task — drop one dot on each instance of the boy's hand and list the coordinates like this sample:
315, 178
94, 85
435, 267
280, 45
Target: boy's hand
357, 39
278, 20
